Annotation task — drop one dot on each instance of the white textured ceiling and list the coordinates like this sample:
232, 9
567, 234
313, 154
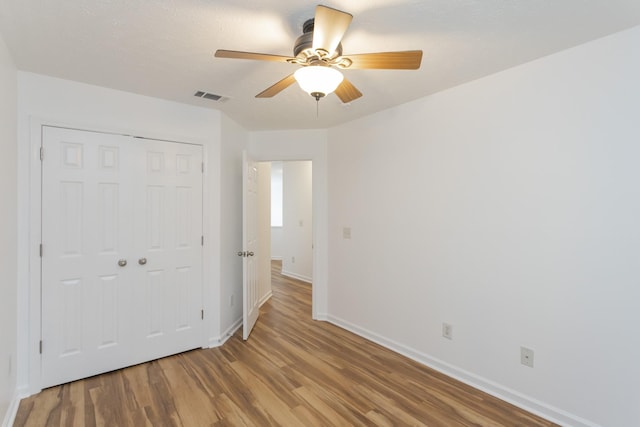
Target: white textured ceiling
164, 48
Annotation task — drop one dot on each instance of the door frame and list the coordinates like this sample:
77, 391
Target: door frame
33, 267
262, 152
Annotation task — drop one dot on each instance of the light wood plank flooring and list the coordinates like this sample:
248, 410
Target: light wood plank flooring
292, 372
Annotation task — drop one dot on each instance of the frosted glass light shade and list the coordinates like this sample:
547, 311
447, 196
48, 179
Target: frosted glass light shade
318, 80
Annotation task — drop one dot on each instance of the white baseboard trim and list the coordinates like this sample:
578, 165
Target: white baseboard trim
218, 341
296, 276
265, 298
12, 410
276, 258
322, 317
513, 397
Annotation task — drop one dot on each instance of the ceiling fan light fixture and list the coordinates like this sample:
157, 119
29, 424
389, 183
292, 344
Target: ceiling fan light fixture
319, 51
318, 80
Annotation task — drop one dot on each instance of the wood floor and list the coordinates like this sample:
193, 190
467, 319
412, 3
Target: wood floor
292, 372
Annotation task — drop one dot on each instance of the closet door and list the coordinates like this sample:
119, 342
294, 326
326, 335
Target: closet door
122, 259
86, 233
168, 229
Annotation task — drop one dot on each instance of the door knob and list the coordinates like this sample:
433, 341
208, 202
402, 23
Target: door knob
142, 261
122, 262
249, 253
240, 253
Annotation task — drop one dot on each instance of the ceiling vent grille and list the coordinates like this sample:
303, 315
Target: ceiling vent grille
211, 96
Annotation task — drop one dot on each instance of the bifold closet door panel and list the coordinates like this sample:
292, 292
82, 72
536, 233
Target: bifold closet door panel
86, 230
168, 218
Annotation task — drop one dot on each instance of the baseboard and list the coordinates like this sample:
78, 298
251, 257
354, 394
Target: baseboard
265, 298
296, 276
276, 258
12, 410
218, 341
513, 397
323, 317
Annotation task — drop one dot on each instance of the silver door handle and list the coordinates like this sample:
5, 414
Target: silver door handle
122, 262
142, 261
240, 253
249, 253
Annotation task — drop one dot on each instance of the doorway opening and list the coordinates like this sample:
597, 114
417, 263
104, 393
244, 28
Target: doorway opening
285, 222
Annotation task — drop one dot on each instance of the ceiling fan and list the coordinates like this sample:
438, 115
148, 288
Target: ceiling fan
319, 51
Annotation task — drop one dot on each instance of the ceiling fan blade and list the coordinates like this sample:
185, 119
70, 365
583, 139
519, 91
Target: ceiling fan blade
277, 88
407, 60
235, 54
329, 27
347, 92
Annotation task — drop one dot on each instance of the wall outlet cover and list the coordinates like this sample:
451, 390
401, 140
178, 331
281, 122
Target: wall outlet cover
526, 356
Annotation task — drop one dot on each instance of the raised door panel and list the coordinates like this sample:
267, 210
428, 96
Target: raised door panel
109, 220
155, 226
109, 311
183, 298
154, 303
71, 212
69, 324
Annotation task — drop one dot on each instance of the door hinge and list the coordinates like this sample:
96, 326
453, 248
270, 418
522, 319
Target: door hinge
202, 314
40, 250
201, 240
41, 153
40, 346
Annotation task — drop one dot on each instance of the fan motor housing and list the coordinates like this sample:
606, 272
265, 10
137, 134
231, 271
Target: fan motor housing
303, 47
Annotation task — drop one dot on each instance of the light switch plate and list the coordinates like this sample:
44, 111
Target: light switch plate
346, 233
447, 331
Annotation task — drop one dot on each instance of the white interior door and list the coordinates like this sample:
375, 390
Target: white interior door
168, 248
250, 297
122, 258
86, 230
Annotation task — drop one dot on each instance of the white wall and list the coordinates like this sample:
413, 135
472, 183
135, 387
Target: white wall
276, 243
8, 232
304, 145
297, 235
276, 193
50, 100
508, 207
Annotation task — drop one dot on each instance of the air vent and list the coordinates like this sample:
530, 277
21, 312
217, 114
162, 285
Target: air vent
211, 96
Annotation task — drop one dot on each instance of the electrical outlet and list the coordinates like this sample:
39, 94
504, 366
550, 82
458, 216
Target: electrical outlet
526, 356
231, 300
293, 260
447, 331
